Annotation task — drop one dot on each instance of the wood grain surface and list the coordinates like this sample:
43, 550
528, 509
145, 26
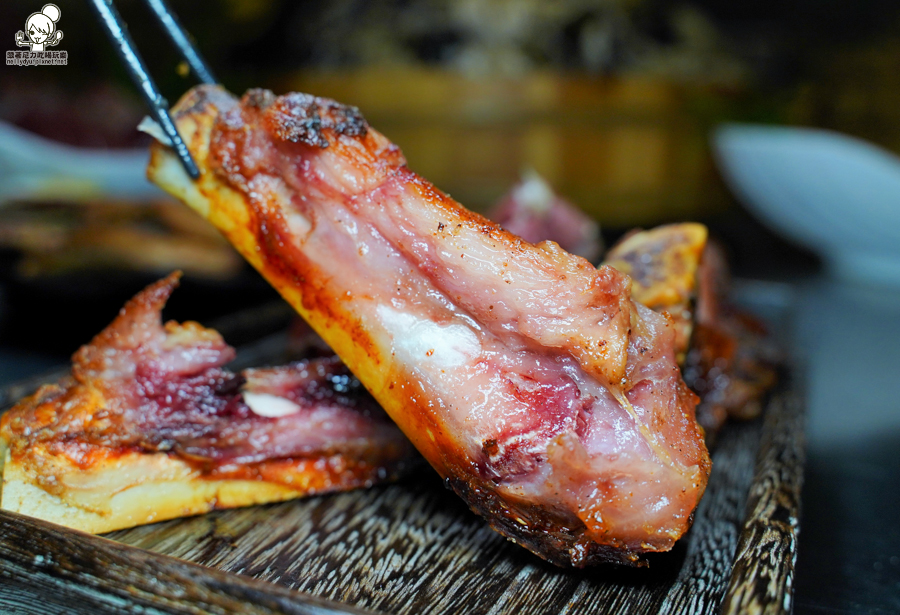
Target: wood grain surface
49, 569
413, 547
763, 571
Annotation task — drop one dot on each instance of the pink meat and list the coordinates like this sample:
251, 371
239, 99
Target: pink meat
537, 388
166, 389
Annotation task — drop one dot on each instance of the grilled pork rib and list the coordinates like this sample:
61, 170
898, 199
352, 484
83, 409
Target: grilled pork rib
528, 378
141, 385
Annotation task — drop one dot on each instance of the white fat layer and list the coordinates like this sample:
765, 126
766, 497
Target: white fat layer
270, 406
299, 224
425, 343
152, 128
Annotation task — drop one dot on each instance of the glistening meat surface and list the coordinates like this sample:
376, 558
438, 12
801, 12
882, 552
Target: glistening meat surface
529, 379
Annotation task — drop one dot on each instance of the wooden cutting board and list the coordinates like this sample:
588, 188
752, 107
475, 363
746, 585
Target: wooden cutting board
413, 547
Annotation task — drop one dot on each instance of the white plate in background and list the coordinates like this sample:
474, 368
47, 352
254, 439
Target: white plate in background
836, 194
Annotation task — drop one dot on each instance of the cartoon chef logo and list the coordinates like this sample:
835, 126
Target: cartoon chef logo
40, 29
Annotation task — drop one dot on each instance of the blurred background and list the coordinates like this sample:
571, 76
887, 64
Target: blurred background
612, 102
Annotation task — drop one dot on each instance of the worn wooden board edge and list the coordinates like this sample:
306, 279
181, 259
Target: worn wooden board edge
44, 566
762, 579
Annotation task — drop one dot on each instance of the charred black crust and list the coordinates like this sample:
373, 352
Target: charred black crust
347, 119
302, 118
556, 543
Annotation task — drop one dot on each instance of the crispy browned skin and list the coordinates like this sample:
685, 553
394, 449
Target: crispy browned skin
662, 263
541, 393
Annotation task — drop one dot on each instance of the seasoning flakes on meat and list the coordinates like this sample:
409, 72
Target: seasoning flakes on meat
538, 389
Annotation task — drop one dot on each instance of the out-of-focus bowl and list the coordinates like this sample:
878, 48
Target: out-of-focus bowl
35, 168
838, 195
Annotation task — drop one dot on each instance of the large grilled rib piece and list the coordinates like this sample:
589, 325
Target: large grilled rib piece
529, 379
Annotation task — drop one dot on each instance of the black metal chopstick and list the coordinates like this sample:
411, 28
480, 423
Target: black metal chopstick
118, 34
182, 40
